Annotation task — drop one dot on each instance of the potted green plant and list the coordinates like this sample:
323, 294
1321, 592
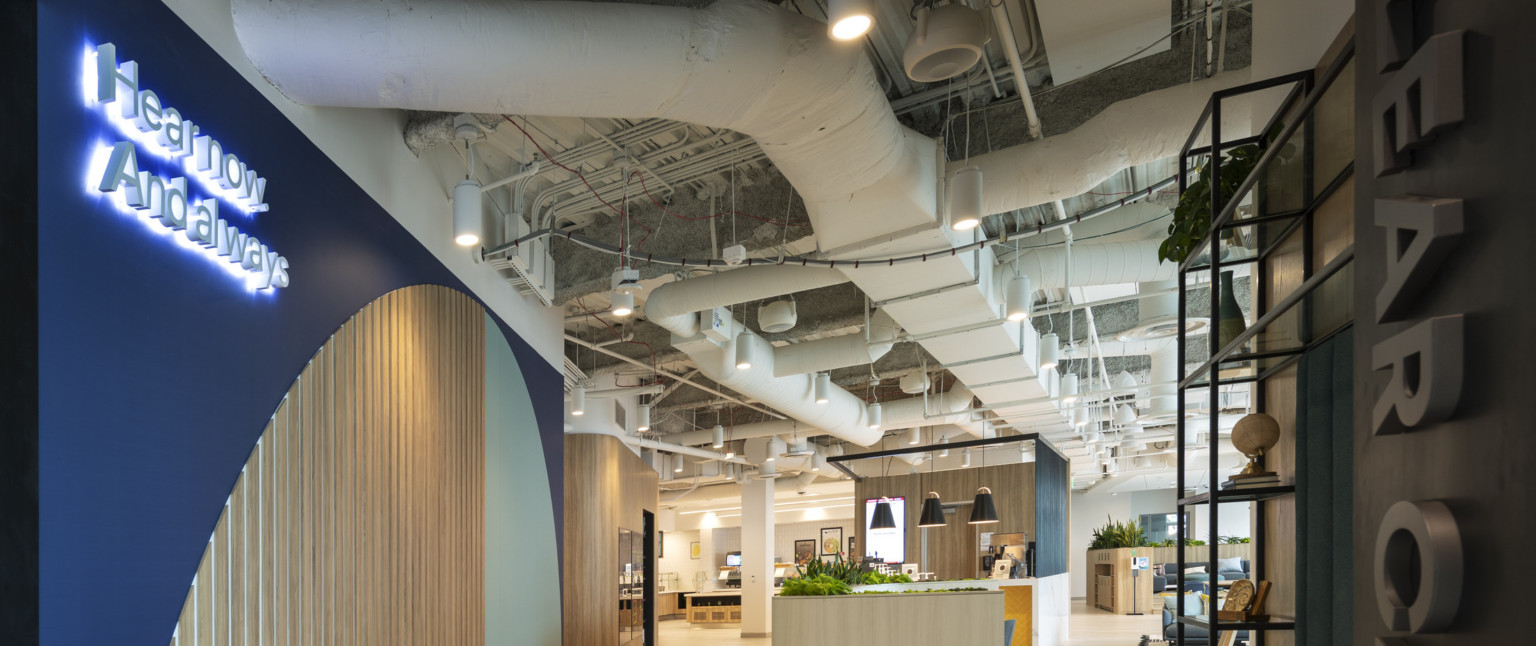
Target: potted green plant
1192, 216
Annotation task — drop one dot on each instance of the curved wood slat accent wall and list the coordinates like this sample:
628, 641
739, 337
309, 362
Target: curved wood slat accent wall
359, 516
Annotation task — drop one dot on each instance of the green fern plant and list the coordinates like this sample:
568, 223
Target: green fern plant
1116, 534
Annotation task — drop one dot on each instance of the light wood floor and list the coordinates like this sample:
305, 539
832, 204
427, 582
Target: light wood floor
1087, 626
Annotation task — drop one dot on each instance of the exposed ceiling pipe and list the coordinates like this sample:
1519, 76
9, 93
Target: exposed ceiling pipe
1128, 133
1011, 48
658, 445
677, 306
624, 392
736, 400
952, 407
839, 351
812, 104
1108, 263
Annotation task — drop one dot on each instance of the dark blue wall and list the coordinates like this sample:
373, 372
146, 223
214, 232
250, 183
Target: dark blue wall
1053, 485
158, 370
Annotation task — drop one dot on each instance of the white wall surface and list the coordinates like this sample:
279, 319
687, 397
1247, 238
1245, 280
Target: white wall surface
676, 558
1291, 36
367, 145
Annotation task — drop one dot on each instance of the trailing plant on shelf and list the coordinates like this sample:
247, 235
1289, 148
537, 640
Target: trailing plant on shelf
840, 569
876, 578
1116, 534
1231, 540
1192, 217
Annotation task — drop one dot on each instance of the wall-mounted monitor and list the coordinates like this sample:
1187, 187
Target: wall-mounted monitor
733, 559
887, 545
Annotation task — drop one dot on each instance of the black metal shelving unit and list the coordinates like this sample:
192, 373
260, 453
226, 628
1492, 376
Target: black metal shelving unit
1263, 217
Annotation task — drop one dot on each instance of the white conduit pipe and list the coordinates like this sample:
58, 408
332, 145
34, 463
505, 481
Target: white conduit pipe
812, 104
676, 306
1011, 48
1165, 377
839, 351
1128, 133
952, 407
648, 443
1110, 263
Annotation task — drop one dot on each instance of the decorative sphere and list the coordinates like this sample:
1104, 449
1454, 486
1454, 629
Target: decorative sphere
1255, 433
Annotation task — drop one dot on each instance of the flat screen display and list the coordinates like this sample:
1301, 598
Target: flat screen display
734, 558
887, 545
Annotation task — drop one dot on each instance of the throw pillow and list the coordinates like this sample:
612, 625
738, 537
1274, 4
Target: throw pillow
1235, 564
1195, 570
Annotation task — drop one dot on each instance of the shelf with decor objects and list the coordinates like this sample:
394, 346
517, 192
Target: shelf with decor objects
1262, 265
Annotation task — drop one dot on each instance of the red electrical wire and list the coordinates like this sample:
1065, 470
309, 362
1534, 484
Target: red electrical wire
675, 214
623, 215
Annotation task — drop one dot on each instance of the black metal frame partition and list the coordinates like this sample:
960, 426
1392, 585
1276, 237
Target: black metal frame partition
1283, 225
837, 461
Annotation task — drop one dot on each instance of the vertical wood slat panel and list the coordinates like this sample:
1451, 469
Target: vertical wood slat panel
359, 516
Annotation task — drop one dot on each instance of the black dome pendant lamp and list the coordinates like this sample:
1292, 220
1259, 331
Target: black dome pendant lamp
933, 512
883, 518
983, 511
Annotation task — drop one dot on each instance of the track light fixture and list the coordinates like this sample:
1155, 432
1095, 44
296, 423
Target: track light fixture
1019, 298
849, 19
1050, 344
823, 387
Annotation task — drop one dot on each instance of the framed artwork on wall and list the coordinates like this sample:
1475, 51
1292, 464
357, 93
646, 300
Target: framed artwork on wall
805, 551
831, 540
693, 550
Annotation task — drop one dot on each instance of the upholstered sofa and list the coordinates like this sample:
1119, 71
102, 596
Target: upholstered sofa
1193, 635
1194, 580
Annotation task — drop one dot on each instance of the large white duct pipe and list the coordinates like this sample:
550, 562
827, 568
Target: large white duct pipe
648, 443
899, 414
838, 351
1135, 131
676, 306
812, 104
1109, 263
1164, 398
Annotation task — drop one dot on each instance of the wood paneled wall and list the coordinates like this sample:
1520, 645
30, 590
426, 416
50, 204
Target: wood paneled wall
607, 487
359, 516
953, 550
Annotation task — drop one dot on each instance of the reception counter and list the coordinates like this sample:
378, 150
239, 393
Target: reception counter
1039, 608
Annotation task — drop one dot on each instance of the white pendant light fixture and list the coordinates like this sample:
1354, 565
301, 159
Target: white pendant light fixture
966, 458
1050, 344
623, 304
849, 19
823, 387
1124, 415
818, 461
643, 418
730, 450
719, 433
944, 452
775, 449
677, 463
579, 400
466, 213
1019, 299
874, 415
744, 350
1069, 388
1080, 417
965, 199
915, 435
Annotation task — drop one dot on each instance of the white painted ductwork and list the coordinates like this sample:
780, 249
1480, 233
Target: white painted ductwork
1129, 133
812, 104
838, 351
676, 306
1108, 263
954, 406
